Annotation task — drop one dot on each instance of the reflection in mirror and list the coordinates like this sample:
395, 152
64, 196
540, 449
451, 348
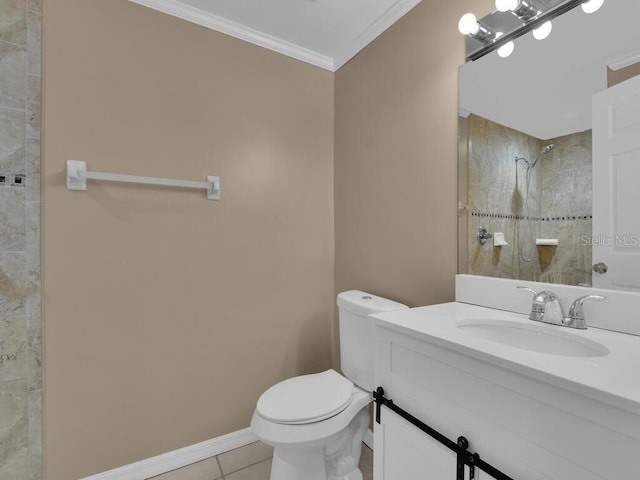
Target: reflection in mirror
526, 147
538, 194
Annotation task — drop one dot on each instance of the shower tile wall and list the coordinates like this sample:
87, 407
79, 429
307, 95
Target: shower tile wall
20, 319
565, 189
559, 202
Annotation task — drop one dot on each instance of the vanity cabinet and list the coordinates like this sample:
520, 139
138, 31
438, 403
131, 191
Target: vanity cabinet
528, 428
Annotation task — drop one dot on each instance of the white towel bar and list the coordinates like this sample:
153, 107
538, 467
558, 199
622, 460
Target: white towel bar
77, 176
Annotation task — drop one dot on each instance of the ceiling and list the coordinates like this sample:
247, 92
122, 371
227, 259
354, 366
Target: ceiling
325, 33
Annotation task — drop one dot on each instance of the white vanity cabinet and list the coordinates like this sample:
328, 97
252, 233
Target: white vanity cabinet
517, 415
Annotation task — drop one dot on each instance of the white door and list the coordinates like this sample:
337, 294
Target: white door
616, 187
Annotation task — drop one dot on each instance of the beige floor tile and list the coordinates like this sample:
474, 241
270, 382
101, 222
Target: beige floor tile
244, 456
262, 470
259, 471
251, 462
205, 470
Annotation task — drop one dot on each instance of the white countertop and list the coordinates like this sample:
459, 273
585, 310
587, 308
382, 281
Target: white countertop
613, 378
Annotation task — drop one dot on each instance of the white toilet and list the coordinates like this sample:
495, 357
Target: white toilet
316, 423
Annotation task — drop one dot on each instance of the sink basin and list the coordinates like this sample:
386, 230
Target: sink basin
534, 337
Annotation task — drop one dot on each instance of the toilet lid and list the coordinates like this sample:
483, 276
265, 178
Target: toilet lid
306, 399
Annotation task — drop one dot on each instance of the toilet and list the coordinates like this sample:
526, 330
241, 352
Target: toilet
316, 423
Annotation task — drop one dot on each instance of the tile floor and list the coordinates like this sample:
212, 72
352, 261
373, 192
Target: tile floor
252, 462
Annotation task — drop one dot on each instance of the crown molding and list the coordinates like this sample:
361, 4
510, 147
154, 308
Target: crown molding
237, 30
391, 16
214, 22
626, 61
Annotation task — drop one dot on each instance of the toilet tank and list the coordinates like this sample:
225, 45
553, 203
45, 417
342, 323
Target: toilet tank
356, 334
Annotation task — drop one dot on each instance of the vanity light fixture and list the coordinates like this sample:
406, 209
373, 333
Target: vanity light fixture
469, 25
484, 35
506, 5
591, 6
520, 8
525, 12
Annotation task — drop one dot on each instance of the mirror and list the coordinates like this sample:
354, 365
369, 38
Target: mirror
526, 147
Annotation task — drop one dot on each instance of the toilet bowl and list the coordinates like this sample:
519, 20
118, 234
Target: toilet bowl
314, 443
316, 423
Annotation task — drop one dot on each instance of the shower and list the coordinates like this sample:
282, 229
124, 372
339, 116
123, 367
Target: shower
526, 240
548, 149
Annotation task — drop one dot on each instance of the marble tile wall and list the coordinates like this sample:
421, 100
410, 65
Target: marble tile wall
559, 204
20, 318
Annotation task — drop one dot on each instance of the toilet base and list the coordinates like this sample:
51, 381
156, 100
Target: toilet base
307, 467
333, 458
355, 475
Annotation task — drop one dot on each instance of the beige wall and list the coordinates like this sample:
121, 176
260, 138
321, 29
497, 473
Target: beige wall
396, 157
166, 315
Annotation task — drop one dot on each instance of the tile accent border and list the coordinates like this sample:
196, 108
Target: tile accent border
13, 180
510, 216
179, 458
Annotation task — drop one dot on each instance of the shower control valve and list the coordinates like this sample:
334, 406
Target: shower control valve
483, 235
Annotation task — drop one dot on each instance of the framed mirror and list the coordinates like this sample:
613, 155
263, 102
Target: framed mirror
526, 181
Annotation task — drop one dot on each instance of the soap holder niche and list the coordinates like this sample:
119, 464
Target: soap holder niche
499, 240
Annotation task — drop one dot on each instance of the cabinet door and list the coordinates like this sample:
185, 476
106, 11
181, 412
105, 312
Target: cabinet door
404, 452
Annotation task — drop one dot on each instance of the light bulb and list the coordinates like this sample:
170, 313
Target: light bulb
506, 5
542, 31
591, 6
507, 49
468, 24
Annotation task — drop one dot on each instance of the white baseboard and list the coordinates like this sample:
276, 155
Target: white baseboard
186, 456
178, 458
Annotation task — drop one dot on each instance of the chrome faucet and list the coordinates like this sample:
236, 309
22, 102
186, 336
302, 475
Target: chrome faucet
546, 308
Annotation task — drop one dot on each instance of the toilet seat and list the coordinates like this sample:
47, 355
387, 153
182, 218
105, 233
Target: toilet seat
306, 399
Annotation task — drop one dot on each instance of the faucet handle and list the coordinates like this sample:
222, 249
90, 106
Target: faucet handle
576, 312
527, 289
576, 307
537, 307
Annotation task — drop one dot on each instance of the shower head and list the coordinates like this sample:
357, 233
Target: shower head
547, 149
544, 151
